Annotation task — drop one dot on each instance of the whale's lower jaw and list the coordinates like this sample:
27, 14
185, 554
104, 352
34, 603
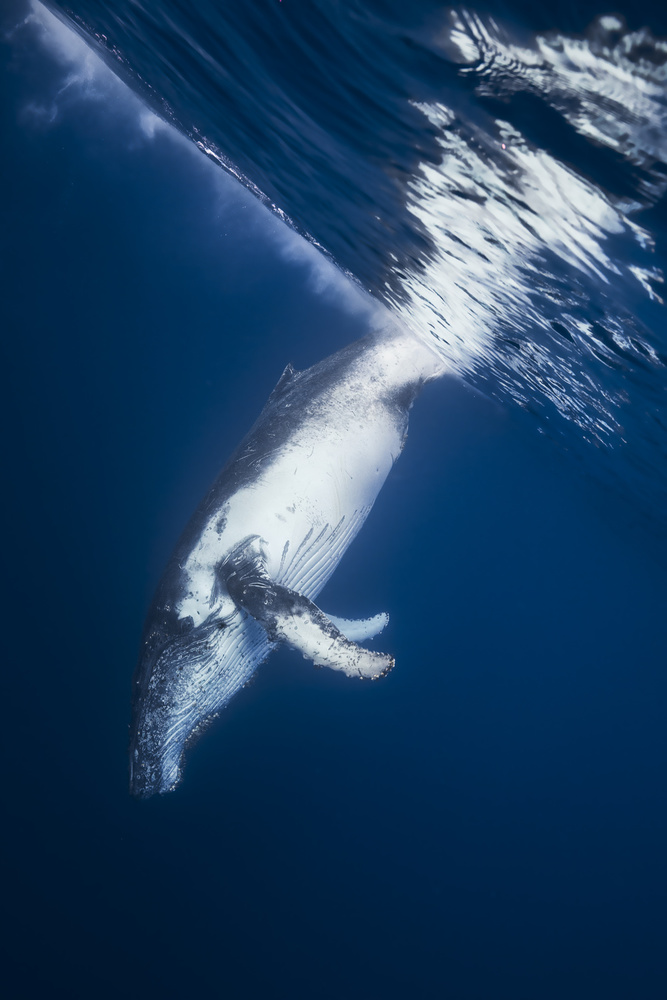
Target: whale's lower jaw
184, 682
179, 692
154, 776
156, 766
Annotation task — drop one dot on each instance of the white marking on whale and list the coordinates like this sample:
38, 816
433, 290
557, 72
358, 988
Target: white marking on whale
264, 542
358, 631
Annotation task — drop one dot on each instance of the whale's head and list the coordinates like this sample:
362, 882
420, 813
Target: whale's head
184, 677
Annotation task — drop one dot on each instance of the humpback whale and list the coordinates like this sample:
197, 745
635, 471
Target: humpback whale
265, 540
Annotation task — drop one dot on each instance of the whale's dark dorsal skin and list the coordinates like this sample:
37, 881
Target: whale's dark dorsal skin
265, 540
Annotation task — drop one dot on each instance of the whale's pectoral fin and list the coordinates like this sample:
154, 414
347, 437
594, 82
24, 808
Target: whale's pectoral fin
360, 629
291, 618
301, 624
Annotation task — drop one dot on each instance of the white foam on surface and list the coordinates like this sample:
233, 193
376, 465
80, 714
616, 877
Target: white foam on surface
506, 220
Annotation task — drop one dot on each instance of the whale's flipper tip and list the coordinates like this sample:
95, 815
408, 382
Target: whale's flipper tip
308, 630
359, 630
391, 663
322, 643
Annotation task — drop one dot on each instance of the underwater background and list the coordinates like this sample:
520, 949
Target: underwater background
212, 191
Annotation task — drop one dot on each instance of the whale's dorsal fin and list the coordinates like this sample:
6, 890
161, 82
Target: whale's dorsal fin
285, 380
292, 618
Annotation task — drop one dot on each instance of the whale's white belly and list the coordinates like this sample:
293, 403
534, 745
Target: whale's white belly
306, 507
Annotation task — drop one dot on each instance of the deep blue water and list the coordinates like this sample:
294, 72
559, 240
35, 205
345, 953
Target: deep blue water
487, 822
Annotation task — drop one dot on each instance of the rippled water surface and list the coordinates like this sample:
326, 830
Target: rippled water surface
494, 177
